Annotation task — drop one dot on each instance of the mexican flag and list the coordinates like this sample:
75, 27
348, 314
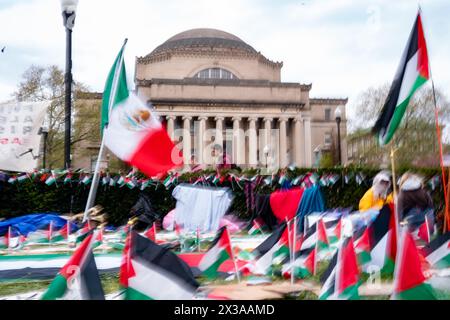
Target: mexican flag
219, 251
412, 72
342, 276
78, 279
151, 272
409, 280
437, 252
131, 128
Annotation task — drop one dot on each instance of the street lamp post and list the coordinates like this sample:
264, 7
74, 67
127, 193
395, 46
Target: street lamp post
266, 153
44, 132
68, 8
338, 117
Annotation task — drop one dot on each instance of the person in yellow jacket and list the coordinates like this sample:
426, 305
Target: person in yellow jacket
377, 195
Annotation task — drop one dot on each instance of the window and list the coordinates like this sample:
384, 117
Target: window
328, 114
327, 140
215, 73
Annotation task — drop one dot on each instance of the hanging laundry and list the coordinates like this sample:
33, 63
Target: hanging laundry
201, 207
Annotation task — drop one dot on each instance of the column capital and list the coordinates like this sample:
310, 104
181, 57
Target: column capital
219, 118
171, 117
187, 118
202, 118
282, 119
298, 119
253, 118
267, 119
236, 118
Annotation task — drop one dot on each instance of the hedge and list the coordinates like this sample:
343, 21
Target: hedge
35, 196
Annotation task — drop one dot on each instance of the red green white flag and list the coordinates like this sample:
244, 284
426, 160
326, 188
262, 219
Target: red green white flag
409, 280
78, 279
219, 251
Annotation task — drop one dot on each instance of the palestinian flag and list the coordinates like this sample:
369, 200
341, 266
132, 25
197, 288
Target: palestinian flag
255, 229
423, 232
409, 280
342, 276
83, 233
322, 238
78, 279
362, 247
63, 233
144, 184
121, 181
304, 266
112, 182
437, 252
11, 240
336, 233
412, 72
151, 272
150, 233
51, 180
383, 242
68, 178
86, 180
275, 246
22, 178
219, 251
167, 181
131, 129
98, 238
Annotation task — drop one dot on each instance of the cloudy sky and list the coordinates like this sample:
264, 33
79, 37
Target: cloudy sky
341, 47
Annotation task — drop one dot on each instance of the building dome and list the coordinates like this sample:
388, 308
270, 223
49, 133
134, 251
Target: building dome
201, 39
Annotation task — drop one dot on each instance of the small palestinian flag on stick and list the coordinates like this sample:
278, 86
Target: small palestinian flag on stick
304, 266
437, 252
341, 279
322, 238
78, 279
98, 238
219, 251
151, 272
362, 247
412, 73
255, 229
63, 233
336, 236
409, 280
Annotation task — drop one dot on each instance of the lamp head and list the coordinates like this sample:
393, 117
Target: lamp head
338, 113
69, 6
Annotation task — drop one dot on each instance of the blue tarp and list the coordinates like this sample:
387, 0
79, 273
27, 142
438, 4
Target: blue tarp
312, 201
32, 222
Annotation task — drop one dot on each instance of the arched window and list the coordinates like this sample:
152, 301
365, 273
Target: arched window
215, 73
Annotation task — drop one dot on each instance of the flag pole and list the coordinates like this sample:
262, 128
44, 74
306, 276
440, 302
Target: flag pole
96, 178
394, 186
293, 250
232, 257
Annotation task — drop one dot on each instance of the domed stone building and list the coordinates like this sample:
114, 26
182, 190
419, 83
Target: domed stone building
213, 90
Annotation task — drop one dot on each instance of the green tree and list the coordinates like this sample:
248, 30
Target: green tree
40, 83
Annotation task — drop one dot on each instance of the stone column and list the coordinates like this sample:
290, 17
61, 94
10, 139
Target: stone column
219, 131
170, 126
267, 139
283, 148
308, 151
252, 143
187, 140
299, 142
201, 139
237, 157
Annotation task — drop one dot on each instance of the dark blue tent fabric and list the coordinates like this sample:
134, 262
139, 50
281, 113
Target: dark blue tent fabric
312, 201
32, 222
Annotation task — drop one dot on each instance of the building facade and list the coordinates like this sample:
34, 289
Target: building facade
212, 88
214, 91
